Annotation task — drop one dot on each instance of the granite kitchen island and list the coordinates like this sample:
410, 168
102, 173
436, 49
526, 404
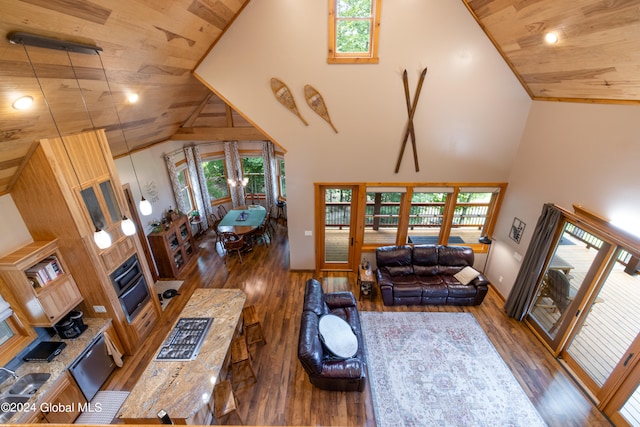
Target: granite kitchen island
184, 388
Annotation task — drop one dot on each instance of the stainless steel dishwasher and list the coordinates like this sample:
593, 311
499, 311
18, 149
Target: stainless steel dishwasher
92, 367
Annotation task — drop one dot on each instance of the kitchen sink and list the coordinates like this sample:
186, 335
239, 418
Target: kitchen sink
11, 404
29, 384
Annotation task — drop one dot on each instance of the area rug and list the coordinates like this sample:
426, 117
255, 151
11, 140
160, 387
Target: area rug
164, 285
103, 408
440, 369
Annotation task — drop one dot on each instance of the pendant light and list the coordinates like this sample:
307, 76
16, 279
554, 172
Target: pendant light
145, 206
100, 237
127, 226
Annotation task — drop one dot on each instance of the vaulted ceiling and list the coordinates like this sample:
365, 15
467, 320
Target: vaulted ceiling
151, 47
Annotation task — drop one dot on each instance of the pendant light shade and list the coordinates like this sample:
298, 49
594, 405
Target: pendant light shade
127, 226
145, 207
102, 239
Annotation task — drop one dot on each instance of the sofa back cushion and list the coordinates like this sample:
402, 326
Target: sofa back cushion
396, 259
425, 260
314, 298
452, 259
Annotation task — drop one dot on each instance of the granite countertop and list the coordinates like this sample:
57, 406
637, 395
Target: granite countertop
182, 388
60, 363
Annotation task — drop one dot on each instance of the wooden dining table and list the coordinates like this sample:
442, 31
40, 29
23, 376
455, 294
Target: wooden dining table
243, 219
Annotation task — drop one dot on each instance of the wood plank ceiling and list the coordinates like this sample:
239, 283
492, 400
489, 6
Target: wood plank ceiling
150, 47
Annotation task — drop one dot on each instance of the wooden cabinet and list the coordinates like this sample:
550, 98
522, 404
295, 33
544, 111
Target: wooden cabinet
39, 280
144, 321
62, 404
66, 190
173, 248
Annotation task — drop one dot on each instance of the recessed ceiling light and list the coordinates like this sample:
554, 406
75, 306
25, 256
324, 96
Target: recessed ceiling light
551, 38
23, 103
132, 98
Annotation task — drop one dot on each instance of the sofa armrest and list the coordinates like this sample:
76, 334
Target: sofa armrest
386, 285
480, 281
339, 299
348, 368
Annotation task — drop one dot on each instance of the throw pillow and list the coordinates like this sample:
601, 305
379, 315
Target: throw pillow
466, 275
337, 336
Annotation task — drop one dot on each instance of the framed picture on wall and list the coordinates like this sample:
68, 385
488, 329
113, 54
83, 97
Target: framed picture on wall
517, 228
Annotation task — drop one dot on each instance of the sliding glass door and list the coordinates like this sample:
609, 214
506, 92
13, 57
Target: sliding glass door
585, 309
570, 271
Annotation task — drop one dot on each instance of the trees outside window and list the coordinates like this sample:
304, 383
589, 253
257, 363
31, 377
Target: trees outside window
185, 189
353, 31
216, 178
253, 170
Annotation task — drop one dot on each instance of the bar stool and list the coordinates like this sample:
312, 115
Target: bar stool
224, 401
241, 368
252, 328
282, 212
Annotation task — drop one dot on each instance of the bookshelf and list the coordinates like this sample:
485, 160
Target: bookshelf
38, 278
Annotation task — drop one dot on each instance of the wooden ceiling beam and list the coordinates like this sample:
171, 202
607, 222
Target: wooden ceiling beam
217, 134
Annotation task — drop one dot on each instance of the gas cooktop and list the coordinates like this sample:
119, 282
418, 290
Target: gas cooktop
185, 340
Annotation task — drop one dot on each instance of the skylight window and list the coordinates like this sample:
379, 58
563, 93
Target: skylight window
353, 31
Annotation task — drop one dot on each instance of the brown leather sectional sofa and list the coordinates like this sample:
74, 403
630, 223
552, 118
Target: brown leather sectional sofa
424, 275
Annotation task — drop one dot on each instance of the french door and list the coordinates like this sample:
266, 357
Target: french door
586, 310
336, 221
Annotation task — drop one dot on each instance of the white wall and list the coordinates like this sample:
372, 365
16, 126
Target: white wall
468, 123
584, 154
152, 172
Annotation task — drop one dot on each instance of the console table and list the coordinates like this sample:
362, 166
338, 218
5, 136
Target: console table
184, 389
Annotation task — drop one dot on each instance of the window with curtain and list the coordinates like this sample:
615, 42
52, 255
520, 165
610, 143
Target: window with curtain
216, 177
353, 31
253, 170
185, 189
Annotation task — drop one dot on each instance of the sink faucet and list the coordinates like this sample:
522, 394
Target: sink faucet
9, 371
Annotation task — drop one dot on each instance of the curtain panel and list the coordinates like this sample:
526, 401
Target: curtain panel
199, 191
170, 160
234, 172
270, 175
525, 285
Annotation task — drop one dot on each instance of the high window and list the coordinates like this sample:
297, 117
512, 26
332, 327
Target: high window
353, 31
216, 177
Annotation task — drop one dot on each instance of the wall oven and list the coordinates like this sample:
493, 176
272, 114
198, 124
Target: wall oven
131, 287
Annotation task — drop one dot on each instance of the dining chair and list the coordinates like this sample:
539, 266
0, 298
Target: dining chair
222, 211
215, 221
263, 231
232, 242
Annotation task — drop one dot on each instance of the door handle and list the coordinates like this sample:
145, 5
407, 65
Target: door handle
628, 359
352, 241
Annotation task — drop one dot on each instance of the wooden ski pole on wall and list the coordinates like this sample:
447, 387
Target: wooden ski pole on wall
411, 109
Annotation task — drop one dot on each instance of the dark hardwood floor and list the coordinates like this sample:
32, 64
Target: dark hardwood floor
283, 394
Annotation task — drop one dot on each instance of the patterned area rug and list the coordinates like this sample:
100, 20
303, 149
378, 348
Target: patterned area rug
440, 369
104, 407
